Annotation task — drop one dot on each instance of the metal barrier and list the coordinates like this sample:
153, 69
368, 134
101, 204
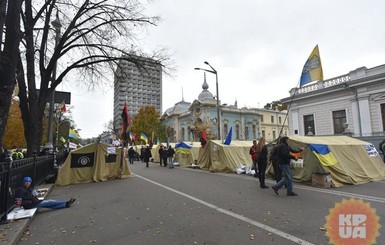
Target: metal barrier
13, 172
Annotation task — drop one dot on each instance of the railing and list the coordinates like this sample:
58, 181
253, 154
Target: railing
13, 172
322, 84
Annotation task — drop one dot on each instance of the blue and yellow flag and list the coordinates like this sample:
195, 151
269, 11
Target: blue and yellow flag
312, 70
324, 155
183, 148
73, 134
144, 137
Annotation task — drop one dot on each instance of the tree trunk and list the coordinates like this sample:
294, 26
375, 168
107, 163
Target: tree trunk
8, 61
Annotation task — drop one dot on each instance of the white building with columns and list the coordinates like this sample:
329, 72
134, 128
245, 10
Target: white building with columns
351, 103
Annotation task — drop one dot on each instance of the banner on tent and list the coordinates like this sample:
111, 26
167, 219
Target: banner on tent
82, 160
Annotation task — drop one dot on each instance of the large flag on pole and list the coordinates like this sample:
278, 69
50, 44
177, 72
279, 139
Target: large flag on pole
228, 137
126, 121
312, 70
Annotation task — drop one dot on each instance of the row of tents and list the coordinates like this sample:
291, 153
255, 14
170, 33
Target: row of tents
348, 160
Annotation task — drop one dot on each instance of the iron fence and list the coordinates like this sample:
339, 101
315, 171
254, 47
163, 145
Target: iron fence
40, 168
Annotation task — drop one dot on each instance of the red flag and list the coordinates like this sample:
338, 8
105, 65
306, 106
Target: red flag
203, 137
63, 107
126, 121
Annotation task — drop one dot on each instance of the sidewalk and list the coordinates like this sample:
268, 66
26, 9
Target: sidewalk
12, 232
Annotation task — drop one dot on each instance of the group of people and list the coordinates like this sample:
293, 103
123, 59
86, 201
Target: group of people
166, 156
280, 158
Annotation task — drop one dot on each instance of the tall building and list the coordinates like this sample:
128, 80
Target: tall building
139, 84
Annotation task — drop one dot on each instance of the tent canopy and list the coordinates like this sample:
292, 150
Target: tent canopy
353, 161
92, 163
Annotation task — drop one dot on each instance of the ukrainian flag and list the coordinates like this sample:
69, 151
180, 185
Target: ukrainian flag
144, 137
183, 148
312, 70
324, 155
73, 134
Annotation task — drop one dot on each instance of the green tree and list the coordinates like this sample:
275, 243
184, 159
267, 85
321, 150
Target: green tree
147, 121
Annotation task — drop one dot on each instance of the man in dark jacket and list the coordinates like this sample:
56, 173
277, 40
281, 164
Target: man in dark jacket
283, 158
25, 194
147, 155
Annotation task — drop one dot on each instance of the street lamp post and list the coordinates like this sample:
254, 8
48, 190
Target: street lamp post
57, 25
216, 83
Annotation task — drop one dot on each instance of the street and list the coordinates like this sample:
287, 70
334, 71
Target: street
191, 206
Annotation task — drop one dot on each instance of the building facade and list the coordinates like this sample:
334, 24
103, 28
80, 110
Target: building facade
139, 84
352, 103
185, 120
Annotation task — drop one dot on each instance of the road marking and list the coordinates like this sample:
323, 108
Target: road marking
328, 191
234, 215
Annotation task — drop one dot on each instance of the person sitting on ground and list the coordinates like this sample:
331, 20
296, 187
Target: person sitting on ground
29, 200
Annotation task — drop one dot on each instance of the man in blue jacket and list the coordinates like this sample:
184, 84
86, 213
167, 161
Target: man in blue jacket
26, 194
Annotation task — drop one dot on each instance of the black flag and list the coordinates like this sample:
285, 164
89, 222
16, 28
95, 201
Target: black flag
82, 160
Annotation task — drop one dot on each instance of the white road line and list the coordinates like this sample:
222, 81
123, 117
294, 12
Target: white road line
234, 215
328, 191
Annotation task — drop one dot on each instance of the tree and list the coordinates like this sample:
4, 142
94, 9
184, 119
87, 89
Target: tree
9, 50
147, 121
275, 105
94, 38
14, 131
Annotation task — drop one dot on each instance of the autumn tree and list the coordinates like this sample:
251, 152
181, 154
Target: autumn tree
92, 39
275, 105
9, 53
147, 121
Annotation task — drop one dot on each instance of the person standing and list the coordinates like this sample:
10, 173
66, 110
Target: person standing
164, 156
160, 154
147, 155
131, 155
170, 159
261, 150
283, 156
25, 196
253, 154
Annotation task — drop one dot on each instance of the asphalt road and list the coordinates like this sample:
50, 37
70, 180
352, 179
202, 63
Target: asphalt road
190, 206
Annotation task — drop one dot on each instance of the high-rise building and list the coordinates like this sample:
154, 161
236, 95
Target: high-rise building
139, 84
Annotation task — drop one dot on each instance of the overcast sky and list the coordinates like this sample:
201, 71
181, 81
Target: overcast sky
258, 47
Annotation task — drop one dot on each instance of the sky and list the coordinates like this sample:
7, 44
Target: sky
258, 48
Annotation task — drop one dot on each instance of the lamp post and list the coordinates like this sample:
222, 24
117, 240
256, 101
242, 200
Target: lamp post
216, 83
57, 25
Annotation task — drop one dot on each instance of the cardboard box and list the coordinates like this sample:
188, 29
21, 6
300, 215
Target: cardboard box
322, 180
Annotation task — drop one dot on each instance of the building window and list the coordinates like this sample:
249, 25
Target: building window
339, 120
274, 134
262, 118
272, 119
383, 116
308, 123
279, 120
183, 136
224, 129
246, 133
254, 132
263, 133
237, 132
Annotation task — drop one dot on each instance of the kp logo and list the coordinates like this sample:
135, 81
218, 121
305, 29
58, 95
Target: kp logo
352, 222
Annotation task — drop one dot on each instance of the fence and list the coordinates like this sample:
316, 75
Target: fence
13, 172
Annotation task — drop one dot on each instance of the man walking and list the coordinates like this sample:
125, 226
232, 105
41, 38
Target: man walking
283, 157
